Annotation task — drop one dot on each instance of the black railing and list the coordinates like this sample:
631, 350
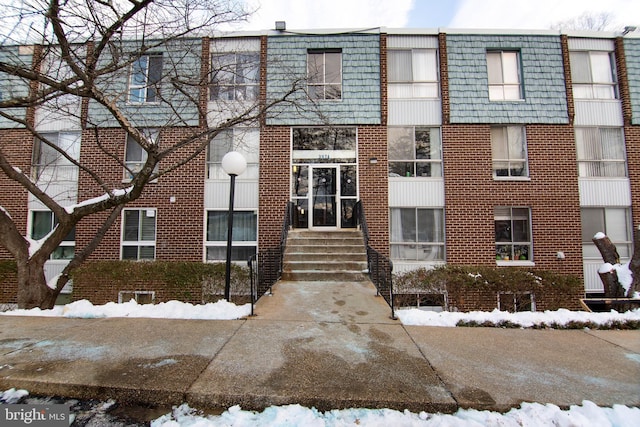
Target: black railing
380, 267
265, 267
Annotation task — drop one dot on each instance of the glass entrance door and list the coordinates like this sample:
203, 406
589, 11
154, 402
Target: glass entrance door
324, 195
324, 189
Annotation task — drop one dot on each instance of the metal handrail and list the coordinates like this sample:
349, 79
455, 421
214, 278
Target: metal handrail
379, 266
265, 267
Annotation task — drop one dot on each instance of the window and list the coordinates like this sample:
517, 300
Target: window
515, 302
324, 73
244, 140
513, 234
49, 164
601, 152
503, 69
413, 73
414, 152
42, 223
135, 155
235, 76
144, 80
614, 222
437, 302
244, 234
417, 234
509, 151
141, 297
593, 75
139, 234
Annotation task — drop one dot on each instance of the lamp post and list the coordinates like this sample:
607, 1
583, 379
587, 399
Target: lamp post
234, 164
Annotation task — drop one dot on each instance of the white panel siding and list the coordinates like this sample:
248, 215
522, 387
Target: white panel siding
415, 112
237, 44
600, 113
406, 266
412, 41
604, 192
579, 43
592, 282
66, 194
216, 195
416, 192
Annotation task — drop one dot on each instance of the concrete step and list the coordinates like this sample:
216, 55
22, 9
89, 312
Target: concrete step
323, 276
325, 266
325, 256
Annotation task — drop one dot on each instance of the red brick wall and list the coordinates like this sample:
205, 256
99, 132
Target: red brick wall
275, 173
17, 145
374, 188
471, 194
180, 225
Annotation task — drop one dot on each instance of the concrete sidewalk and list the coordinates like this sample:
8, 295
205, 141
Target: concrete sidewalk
322, 344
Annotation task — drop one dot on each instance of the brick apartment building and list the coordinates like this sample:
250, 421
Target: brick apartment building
508, 148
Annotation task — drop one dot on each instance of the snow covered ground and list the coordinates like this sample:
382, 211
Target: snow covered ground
223, 310
529, 414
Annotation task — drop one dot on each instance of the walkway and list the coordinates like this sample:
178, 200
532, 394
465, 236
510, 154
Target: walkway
323, 344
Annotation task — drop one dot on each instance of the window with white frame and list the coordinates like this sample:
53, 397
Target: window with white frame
324, 74
414, 152
42, 223
141, 297
244, 235
601, 152
509, 151
412, 73
144, 79
593, 75
503, 68
235, 76
516, 301
139, 234
417, 234
49, 164
135, 156
246, 141
513, 234
615, 222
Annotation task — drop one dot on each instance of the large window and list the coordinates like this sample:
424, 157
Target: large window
139, 234
324, 74
503, 68
414, 152
593, 75
144, 80
412, 73
601, 152
614, 222
235, 76
42, 223
243, 140
513, 234
244, 234
509, 152
135, 155
49, 164
417, 234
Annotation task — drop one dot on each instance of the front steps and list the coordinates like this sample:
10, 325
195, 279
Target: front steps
327, 256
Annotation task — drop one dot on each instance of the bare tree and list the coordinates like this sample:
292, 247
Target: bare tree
68, 60
588, 21
617, 281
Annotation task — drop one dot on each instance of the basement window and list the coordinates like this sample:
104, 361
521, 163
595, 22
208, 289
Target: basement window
428, 302
141, 297
516, 301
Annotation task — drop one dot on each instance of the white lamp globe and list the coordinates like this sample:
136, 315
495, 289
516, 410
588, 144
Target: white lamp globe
234, 163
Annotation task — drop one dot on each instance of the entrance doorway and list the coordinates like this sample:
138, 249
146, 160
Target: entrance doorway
325, 195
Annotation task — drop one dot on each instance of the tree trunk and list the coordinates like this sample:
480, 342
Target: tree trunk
634, 264
32, 286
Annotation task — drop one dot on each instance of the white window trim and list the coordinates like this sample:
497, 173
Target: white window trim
423, 243
223, 243
131, 86
136, 165
235, 85
416, 162
139, 243
324, 83
512, 262
64, 243
526, 177
414, 82
531, 294
136, 294
503, 85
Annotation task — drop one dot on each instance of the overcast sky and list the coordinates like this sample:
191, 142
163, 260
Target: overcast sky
512, 14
